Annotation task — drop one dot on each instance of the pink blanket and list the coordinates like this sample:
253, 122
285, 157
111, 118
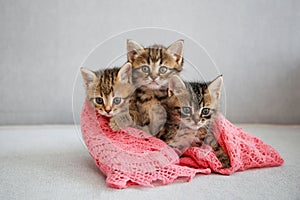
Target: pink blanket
131, 156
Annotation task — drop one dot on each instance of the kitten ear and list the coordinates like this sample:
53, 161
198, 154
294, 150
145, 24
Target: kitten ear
88, 76
215, 86
176, 86
132, 49
125, 73
176, 49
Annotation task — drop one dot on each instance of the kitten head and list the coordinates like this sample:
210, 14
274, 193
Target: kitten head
108, 90
153, 66
198, 102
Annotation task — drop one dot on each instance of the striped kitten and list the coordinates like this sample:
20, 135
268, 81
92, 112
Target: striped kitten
152, 68
109, 90
191, 111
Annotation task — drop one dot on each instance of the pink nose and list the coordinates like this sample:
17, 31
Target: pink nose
107, 110
153, 78
196, 119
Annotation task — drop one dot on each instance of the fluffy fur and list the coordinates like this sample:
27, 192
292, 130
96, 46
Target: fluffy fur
191, 111
109, 90
152, 68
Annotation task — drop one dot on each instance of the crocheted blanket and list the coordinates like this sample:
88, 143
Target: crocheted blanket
130, 156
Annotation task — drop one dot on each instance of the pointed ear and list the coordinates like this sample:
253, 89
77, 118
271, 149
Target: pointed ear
215, 86
132, 50
88, 76
176, 49
176, 86
125, 73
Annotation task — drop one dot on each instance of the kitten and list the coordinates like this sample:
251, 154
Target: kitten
109, 90
191, 111
152, 68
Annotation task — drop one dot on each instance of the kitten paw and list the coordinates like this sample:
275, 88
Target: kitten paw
113, 125
225, 160
120, 121
158, 111
158, 118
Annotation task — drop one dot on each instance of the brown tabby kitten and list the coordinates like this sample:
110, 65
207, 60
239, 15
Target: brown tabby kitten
152, 68
191, 111
109, 90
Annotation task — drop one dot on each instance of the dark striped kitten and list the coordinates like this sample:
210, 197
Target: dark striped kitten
109, 90
191, 111
152, 68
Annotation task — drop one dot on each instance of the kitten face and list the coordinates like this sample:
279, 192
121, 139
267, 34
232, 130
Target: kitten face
109, 90
198, 102
153, 66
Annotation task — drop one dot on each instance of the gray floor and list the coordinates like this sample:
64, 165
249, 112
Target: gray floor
51, 163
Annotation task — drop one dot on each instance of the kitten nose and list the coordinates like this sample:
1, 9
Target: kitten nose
153, 77
107, 110
196, 118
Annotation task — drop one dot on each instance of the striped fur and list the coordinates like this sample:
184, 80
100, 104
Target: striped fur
188, 123
152, 68
109, 90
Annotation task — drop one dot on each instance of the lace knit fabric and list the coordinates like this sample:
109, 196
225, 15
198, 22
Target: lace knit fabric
130, 156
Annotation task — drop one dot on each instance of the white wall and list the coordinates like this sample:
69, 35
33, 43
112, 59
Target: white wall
255, 44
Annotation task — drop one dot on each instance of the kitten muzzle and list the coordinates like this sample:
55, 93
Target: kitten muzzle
153, 78
107, 111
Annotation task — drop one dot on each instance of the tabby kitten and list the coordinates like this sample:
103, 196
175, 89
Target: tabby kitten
191, 111
152, 68
109, 90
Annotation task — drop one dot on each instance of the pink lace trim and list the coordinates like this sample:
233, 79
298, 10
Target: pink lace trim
130, 156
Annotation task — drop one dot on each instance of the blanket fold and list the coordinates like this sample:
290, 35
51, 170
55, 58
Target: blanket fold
130, 156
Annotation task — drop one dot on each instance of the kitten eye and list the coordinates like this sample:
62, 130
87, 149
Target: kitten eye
187, 110
117, 100
163, 69
99, 100
205, 111
145, 69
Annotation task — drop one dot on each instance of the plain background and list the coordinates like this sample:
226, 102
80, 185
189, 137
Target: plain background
255, 44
